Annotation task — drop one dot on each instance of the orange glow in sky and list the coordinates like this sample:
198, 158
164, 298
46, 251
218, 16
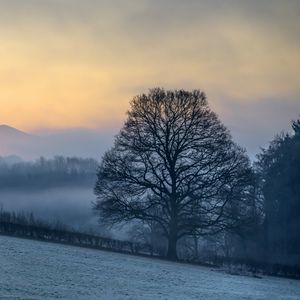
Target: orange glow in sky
78, 63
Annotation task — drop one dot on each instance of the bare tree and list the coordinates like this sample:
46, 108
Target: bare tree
173, 163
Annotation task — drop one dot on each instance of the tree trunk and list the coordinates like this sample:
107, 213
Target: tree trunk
172, 249
196, 254
172, 245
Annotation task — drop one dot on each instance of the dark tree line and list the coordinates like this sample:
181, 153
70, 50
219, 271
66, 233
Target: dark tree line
278, 168
24, 219
272, 241
271, 238
59, 171
25, 225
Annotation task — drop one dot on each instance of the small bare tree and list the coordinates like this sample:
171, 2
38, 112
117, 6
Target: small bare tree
175, 164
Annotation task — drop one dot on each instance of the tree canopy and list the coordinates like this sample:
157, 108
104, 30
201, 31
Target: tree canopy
279, 170
174, 163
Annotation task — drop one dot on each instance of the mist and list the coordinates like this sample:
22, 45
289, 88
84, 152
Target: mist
71, 206
58, 189
77, 142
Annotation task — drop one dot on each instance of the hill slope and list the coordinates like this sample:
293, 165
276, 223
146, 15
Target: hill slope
37, 270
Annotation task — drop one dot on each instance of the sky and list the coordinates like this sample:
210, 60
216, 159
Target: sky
68, 64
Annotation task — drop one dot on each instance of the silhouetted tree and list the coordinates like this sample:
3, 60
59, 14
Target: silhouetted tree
175, 164
279, 169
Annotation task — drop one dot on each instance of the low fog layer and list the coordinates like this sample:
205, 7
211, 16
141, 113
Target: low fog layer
71, 206
58, 189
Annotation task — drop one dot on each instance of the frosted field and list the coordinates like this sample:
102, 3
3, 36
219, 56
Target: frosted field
39, 270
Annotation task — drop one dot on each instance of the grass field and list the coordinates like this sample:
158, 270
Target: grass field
40, 270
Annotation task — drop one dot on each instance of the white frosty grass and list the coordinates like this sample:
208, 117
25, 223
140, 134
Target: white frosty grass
39, 270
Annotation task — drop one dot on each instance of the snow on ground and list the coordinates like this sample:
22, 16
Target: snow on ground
39, 270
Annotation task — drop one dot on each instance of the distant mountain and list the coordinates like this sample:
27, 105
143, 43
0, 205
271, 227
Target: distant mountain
13, 141
8, 131
68, 142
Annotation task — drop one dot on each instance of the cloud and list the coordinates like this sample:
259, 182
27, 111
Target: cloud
78, 63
